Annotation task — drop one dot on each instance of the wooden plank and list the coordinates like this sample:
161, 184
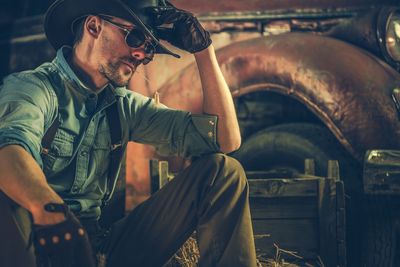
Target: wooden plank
163, 172
281, 208
159, 174
263, 175
309, 167
283, 187
333, 170
300, 236
154, 176
327, 221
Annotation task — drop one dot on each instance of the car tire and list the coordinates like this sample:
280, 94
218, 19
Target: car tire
285, 146
381, 240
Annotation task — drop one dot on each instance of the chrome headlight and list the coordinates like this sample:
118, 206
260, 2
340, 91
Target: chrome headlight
388, 32
393, 35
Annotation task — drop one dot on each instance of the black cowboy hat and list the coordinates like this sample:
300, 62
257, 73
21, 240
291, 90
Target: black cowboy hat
63, 13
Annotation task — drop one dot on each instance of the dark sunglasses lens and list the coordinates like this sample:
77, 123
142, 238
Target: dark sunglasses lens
135, 38
149, 49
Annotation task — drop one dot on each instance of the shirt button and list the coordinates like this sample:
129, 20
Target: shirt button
75, 189
211, 123
210, 134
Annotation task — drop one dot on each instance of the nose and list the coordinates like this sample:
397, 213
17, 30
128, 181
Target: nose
138, 53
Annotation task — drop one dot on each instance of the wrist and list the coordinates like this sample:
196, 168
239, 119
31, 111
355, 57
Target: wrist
206, 50
206, 56
43, 217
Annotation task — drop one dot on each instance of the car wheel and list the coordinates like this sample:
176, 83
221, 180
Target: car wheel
381, 239
284, 147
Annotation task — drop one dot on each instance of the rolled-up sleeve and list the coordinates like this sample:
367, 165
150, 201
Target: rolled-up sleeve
24, 106
172, 132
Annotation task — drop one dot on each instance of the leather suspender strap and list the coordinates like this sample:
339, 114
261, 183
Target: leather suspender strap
49, 136
116, 150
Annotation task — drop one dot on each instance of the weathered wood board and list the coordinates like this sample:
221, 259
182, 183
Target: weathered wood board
305, 216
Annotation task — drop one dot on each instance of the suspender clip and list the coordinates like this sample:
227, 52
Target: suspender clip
115, 146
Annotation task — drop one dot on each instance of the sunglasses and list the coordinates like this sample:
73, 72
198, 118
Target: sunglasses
135, 38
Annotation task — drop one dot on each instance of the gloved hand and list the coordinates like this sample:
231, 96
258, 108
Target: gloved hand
186, 32
62, 244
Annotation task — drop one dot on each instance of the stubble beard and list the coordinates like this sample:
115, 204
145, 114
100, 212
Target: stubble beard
112, 72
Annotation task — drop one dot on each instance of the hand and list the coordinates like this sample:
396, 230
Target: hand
43, 217
62, 244
186, 32
40, 215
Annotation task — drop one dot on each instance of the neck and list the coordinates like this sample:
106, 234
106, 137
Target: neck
84, 67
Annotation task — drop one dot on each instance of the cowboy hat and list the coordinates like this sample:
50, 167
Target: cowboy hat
62, 13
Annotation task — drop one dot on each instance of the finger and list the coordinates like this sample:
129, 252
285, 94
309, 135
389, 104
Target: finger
168, 15
169, 4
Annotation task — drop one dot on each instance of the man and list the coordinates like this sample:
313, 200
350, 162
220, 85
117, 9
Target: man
64, 184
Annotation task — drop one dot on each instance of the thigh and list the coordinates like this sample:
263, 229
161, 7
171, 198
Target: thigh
15, 228
156, 229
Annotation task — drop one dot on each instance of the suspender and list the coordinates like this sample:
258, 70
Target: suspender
49, 136
116, 147
116, 150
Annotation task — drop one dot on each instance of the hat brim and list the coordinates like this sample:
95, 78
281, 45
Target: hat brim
61, 14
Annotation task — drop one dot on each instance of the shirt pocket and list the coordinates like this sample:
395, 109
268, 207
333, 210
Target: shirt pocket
60, 153
101, 152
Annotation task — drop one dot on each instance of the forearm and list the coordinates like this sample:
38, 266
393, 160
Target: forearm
217, 100
23, 181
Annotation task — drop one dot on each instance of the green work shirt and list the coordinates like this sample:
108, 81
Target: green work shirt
77, 162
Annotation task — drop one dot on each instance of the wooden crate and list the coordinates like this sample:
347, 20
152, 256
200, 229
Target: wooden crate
301, 215
304, 215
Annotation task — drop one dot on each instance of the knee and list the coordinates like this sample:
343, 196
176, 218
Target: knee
226, 162
230, 169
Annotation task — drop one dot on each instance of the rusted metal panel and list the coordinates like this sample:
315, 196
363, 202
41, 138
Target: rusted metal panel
350, 90
205, 6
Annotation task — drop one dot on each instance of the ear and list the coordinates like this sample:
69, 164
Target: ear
93, 26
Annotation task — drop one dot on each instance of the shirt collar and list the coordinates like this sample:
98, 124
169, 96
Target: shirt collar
70, 75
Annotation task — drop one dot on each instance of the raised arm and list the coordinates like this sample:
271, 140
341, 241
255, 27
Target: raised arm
218, 100
183, 30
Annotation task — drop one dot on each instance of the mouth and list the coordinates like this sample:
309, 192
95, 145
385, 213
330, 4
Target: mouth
130, 65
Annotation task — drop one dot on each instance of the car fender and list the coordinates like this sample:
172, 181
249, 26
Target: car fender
346, 87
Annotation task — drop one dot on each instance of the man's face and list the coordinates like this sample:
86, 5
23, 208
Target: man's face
118, 60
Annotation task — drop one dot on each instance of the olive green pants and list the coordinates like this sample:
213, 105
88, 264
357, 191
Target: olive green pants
211, 197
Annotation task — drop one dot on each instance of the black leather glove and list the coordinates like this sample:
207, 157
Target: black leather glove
186, 32
63, 244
